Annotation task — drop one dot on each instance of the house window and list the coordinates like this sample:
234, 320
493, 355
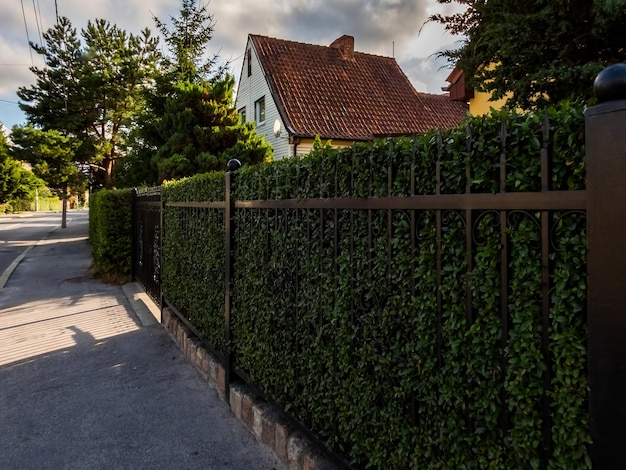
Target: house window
249, 60
242, 114
259, 110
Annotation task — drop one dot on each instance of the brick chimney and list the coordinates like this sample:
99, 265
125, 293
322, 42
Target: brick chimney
345, 46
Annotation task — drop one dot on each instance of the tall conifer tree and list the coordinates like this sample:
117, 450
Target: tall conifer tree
190, 125
91, 89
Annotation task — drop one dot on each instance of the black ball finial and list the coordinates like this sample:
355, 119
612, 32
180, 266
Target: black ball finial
610, 84
233, 164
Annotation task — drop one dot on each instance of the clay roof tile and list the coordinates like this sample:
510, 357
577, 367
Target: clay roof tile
338, 93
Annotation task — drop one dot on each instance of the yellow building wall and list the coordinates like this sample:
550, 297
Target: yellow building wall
306, 145
480, 105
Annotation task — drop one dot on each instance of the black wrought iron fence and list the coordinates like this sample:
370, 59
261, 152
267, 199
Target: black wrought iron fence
147, 240
325, 230
337, 234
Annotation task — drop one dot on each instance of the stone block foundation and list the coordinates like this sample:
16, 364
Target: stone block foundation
267, 423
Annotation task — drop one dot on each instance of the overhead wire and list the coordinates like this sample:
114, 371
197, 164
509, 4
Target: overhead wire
37, 20
27, 35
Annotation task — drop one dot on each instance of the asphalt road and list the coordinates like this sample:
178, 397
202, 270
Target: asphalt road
18, 232
85, 385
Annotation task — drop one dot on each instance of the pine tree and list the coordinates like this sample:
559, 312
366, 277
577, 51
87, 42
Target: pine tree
91, 88
190, 125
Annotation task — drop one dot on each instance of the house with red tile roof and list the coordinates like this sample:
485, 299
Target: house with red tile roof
296, 91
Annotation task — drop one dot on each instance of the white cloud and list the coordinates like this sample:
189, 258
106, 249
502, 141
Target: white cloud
385, 27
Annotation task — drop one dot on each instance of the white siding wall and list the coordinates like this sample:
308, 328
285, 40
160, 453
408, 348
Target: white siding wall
252, 88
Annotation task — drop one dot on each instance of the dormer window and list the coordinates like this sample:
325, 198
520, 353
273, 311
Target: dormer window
259, 110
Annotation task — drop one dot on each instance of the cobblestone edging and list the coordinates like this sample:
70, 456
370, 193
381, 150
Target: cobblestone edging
263, 420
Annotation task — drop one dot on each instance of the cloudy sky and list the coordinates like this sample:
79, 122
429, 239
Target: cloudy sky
384, 27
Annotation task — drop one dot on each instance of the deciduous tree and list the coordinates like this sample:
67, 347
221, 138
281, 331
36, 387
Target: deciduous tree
53, 158
10, 172
17, 184
536, 51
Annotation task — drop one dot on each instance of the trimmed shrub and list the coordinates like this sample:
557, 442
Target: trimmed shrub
110, 233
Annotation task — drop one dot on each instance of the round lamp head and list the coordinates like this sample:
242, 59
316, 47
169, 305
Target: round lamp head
233, 164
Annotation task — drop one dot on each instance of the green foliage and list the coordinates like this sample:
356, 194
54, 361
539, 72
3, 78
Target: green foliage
190, 125
10, 172
28, 192
52, 155
193, 255
110, 233
382, 330
187, 41
250, 148
28, 184
538, 52
201, 132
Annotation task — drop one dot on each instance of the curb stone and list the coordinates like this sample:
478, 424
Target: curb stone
262, 420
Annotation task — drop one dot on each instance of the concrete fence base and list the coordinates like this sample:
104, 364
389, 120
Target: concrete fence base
266, 422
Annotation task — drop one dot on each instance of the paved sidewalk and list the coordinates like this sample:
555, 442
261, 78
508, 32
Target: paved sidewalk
85, 385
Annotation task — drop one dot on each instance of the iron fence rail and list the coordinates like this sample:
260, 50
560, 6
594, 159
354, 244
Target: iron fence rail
541, 201
545, 210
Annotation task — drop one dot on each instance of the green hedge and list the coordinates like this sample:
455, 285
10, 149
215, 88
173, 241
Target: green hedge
110, 233
193, 255
25, 205
335, 316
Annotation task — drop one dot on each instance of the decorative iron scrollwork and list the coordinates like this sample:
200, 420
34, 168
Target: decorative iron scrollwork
140, 245
156, 255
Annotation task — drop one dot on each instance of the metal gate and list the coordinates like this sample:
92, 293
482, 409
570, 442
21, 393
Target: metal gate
147, 240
